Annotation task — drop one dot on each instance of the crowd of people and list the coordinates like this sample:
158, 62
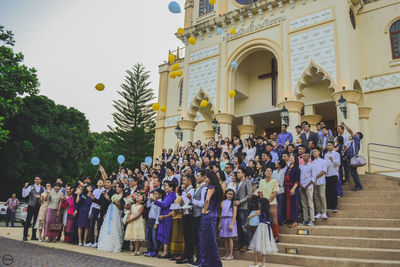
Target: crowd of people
227, 188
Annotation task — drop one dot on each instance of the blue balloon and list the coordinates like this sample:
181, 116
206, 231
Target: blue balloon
174, 7
219, 31
121, 159
255, 220
95, 161
148, 160
234, 64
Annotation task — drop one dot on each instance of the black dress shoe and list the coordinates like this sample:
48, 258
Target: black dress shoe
164, 257
183, 261
24, 239
34, 239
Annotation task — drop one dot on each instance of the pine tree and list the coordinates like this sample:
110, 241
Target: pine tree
134, 118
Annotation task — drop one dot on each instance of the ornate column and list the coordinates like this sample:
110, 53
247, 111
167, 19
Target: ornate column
352, 97
311, 117
225, 123
247, 127
187, 127
294, 108
162, 100
363, 115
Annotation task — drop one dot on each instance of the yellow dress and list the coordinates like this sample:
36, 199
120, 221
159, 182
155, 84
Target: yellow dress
135, 230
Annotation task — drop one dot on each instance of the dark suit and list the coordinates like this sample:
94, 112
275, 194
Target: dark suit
269, 164
243, 194
311, 137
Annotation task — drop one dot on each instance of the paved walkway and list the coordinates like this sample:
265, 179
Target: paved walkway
37, 254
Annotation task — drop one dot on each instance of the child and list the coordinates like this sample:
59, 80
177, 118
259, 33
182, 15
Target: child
263, 240
227, 224
152, 225
135, 223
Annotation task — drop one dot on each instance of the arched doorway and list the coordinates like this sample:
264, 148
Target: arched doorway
256, 81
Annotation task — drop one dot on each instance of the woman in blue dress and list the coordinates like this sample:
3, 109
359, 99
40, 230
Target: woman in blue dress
209, 254
165, 223
83, 202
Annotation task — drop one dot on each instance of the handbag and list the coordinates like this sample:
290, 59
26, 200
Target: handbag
357, 160
55, 227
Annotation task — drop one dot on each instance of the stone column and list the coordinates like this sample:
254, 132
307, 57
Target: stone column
225, 123
363, 115
187, 127
162, 100
208, 135
352, 97
311, 117
294, 108
189, 4
247, 127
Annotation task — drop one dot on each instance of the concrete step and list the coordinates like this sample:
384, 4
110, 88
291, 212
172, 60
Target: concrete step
362, 222
320, 261
366, 200
347, 231
358, 242
383, 214
390, 195
370, 206
346, 252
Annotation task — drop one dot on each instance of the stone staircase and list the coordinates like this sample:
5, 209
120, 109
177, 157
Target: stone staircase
364, 232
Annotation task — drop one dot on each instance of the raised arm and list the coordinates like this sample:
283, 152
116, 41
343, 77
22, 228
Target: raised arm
348, 129
103, 172
168, 200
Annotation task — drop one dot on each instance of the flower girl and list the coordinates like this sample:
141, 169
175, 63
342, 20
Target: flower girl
263, 240
135, 229
112, 230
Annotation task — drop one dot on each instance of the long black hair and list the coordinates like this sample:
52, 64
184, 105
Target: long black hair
264, 207
218, 189
233, 199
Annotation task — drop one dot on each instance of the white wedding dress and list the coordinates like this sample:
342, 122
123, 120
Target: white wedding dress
112, 231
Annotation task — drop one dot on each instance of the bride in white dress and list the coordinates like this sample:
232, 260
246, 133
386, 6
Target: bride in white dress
112, 230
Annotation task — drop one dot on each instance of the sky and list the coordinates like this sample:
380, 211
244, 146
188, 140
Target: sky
75, 44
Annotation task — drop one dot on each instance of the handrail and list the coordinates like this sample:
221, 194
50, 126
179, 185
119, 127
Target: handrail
369, 150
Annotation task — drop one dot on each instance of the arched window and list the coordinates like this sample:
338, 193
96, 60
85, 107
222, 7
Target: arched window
395, 39
180, 92
205, 7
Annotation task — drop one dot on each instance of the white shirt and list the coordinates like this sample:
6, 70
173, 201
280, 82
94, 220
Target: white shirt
319, 165
228, 178
280, 177
26, 191
186, 200
232, 186
307, 175
332, 167
251, 153
96, 193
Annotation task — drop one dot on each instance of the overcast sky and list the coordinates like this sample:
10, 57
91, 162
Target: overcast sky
75, 44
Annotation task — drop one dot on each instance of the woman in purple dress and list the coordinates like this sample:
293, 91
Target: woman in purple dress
165, 223
83, 202
291, 193
209, 254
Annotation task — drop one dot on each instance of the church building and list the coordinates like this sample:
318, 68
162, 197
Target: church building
331, 60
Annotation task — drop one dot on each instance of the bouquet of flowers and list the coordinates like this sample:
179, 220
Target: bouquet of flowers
129, 199
143, 193
115, 198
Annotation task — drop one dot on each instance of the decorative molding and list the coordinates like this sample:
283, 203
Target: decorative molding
199, 117
381, 82
203, 75
351, 96
363, 112
315, 18
315, 45
292, 106
210, 51
171, 121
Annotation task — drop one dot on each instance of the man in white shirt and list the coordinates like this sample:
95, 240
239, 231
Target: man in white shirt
307, 180
332, 159
319, 169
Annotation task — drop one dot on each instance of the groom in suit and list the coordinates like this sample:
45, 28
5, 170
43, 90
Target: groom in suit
34, 192
104, 201
308, 135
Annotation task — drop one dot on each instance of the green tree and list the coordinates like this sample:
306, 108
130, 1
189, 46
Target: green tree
134, 119
16, 80
45, 139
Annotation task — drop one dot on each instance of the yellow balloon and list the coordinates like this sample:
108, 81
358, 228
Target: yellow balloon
232, 31
179, 73
192, 40
203, 103
232, 93
181, 31
99, 87
175, 67
172, 74
155, 106
163, 108
171, 58
212, 2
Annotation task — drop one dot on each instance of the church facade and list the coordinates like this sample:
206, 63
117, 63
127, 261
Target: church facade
303, 55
